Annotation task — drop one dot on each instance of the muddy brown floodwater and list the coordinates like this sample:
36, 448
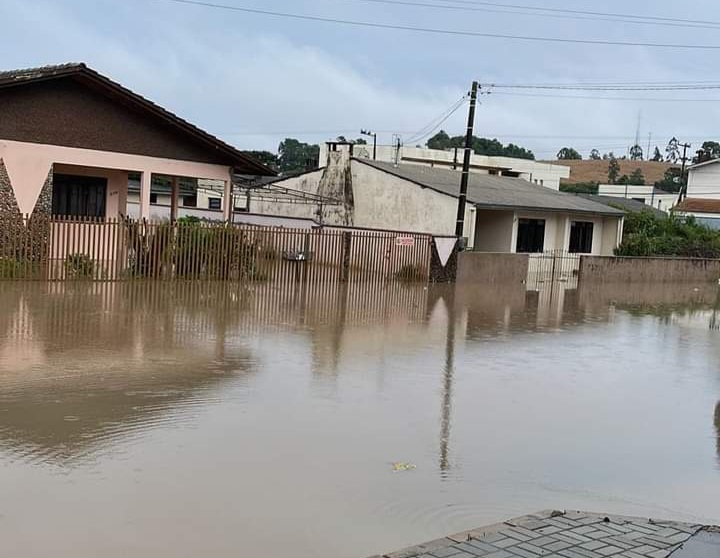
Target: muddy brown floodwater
172, 420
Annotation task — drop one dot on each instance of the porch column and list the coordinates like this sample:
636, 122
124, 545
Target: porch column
145, 185
174, 199
227, 201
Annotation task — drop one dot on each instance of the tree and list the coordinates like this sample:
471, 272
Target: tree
480, 146
613, 169
637, 178
710, 150
266, 158
359, 141
440, 141
294, 155
671, 181
595, 155
568, 154
636, 153
672, 151
657, 156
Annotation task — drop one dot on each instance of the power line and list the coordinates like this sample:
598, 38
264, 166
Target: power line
523, 11
593, 97
435, 124
438, 31
584, 12
608, 87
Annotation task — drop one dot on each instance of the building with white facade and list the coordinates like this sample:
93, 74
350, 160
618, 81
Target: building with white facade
542, 174
704, 180
647, 194
705, 210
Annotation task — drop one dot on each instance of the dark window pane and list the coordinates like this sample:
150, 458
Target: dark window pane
531, 236
214, 203
190, 201
153, 198
581, 237
79, 196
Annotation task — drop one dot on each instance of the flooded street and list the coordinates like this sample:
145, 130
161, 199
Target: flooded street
184, 420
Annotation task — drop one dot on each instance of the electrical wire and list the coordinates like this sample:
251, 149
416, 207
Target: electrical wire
438, 31
607, 87
430, 128
518, 11
596, 98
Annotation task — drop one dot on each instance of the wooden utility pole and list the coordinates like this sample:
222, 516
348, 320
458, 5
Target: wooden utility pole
683, 187
460, 223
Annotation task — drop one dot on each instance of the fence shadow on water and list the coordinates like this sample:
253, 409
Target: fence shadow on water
71, 248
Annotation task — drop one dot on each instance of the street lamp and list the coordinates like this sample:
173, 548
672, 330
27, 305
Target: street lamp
373, 135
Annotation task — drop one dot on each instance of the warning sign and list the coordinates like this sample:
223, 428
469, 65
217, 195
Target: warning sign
404, 241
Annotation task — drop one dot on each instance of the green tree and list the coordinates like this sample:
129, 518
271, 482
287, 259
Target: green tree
657, 156
710, 150
613, 169
646, 234
294, 155
672, 151
671, 181
636, 153
580, 188
266, 158
595, 155
636, 178
441, 141
568, 154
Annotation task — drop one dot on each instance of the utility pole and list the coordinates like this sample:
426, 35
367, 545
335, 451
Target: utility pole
462, 199
683, 187
373, 135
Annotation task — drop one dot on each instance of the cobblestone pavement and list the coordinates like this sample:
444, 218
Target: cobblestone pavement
555, 534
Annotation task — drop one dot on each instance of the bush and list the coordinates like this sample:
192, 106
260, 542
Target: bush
80, 266
648, 235
11, 268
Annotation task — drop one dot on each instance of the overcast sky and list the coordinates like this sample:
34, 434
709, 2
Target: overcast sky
254, 79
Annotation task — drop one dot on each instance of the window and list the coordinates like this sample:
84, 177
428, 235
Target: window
641, 200
581, 237
79, 196
531, 236
153, 198
215, 203
190, 201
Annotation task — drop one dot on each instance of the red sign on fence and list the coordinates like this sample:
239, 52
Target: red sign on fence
404, 241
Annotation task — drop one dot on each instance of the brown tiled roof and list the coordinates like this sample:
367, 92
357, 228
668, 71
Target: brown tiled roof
243, 163
699, 205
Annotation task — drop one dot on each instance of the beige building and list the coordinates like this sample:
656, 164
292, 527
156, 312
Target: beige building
646, 194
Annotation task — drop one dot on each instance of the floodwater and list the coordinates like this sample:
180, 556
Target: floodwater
185, 420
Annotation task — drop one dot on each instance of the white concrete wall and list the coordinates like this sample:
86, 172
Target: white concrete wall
494, 231
704, 182
308, 182
663, 202
544, 174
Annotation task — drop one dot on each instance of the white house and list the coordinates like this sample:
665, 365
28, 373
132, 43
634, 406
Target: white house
502, 215
647, 194
543, 174
704, 180
705, 210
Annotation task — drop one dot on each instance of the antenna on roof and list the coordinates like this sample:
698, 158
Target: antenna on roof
397, 146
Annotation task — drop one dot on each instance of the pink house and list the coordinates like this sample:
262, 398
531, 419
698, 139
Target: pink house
70, 136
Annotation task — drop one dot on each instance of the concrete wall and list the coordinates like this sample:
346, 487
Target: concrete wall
704, 182
648, 270
488, 268
308, 182
494, 231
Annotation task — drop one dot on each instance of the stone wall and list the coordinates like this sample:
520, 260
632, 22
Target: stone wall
602, 269
492, 268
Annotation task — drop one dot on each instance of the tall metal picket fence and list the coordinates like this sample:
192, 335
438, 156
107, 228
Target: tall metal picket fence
71, 248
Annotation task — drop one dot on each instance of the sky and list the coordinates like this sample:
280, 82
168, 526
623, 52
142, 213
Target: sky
254, 79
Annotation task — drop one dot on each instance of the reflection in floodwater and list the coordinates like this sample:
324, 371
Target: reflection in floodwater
266, 418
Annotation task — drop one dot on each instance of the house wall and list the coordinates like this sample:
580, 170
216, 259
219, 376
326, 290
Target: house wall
308, 182
704, 182
28, 165
663, 202
494, 231
117, 181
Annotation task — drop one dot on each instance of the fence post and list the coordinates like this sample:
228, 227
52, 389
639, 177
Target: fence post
345, 266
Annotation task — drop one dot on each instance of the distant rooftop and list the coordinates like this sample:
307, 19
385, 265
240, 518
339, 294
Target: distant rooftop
698, 205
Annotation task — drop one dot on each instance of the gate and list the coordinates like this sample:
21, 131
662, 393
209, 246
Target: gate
554, 266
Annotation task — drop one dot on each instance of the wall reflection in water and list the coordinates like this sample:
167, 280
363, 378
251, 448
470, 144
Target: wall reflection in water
84, 367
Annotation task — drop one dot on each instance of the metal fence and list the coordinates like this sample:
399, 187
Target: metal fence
555, 266
61, 249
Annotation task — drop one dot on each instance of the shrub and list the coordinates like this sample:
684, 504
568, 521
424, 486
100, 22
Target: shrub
410, 273
80, 266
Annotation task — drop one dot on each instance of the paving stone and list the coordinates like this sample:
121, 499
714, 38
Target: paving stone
534, 549
482, 546
466, 547
583, 530
499, 554
542, 541
629, 554
522, 531
444, 552
491, 537
549, 530
593, 545
578, 552
659, 554
531, 524
523, 553
609, 550
558, 545
596, 534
